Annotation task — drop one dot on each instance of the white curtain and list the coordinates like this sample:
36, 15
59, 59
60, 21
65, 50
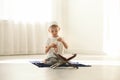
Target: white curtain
24, 23
22, 38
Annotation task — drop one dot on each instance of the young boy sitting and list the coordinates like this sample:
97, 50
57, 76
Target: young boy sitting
55, 45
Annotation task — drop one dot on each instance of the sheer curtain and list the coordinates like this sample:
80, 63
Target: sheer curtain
23, 25
21, 38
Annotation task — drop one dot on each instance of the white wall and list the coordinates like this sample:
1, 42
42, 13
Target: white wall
111, 42
83, 24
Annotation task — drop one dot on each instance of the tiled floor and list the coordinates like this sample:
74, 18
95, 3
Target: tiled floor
19, 68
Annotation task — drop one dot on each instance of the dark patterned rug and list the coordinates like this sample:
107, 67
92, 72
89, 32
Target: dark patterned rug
41, 64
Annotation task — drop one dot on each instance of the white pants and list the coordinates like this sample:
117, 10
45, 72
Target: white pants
51, 60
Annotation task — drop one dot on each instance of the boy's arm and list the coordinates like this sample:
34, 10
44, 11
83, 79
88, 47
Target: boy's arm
47, 48
63, 42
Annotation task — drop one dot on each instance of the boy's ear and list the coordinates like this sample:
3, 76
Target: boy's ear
49, 29
58, 28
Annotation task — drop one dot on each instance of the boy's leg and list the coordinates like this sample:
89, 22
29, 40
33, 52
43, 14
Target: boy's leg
67, 60
63, 60
51, 60
60, 61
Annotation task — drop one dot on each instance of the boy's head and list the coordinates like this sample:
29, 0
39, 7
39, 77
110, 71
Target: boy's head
54, 29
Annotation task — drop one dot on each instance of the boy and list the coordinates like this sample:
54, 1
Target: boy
55, 45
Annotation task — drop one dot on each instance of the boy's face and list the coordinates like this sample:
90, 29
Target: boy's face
54, 31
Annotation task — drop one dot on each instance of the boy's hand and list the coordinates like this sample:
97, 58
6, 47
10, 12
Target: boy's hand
63, 42
53, 45
60, 39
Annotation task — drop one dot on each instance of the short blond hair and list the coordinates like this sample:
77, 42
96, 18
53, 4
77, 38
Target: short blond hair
54, 26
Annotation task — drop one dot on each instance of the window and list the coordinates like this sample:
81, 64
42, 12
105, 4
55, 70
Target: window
26, 10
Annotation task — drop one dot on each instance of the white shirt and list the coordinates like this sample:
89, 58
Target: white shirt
52, 50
